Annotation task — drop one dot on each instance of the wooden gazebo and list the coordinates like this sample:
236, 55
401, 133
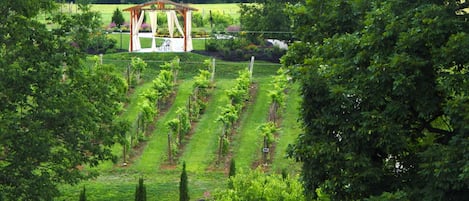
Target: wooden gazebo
136, 19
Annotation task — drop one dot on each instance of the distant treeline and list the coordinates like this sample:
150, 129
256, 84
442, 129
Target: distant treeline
143, 1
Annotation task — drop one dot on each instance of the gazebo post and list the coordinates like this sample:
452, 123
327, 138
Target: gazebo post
135, 11
184, 15
131, 41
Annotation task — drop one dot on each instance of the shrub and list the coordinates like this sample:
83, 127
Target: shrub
100, 43
117, 18
232, 171
211, 45
233, 28
183, 185
197, 20
82, 194
140, 191
145, 27
111, 26
256, 185
220, 21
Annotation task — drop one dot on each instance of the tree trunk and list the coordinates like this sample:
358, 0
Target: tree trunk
170, 152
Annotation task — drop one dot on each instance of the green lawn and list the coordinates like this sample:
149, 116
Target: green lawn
107, 10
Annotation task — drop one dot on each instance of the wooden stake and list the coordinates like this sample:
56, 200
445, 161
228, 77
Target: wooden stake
170, 154
251, 67
213, 71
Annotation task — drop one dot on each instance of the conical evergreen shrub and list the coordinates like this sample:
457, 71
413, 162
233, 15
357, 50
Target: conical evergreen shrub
183, 185
232, 171
82, 194
140, 191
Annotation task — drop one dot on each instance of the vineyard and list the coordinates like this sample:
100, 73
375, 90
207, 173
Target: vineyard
201, 111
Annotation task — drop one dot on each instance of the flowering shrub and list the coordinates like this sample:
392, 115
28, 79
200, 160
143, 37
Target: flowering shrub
145, 27
112, 25
233, 28
126, 25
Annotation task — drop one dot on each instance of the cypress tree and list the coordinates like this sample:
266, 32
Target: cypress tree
183, 188
284, 174
82, 194
140, 191
118, 18
231, 174
232, 171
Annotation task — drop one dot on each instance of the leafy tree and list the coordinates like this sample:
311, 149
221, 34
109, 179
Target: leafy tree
140, 191
56, 115
183, 185
256, 185
117, 17
385, 101
263, 18
83, 194
83, 29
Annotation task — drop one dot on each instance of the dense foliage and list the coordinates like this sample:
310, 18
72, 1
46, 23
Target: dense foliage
55, 115
83, 29
267, 19
256, 185
385, 99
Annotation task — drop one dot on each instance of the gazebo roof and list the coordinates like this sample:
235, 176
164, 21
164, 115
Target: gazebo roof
161, 5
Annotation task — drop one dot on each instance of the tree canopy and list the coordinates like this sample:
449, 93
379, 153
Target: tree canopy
56, 115
266, 19
385, 98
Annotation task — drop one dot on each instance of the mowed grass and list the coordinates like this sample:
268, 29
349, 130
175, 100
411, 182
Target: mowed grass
247, 145
106, 10
200, 152
156, 150
160, 185
290, 129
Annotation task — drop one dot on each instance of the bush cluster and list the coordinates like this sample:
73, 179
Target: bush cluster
241, 49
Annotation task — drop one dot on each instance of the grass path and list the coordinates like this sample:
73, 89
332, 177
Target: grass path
201, 150
248, 141
130, 114
290, 129
156, 149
